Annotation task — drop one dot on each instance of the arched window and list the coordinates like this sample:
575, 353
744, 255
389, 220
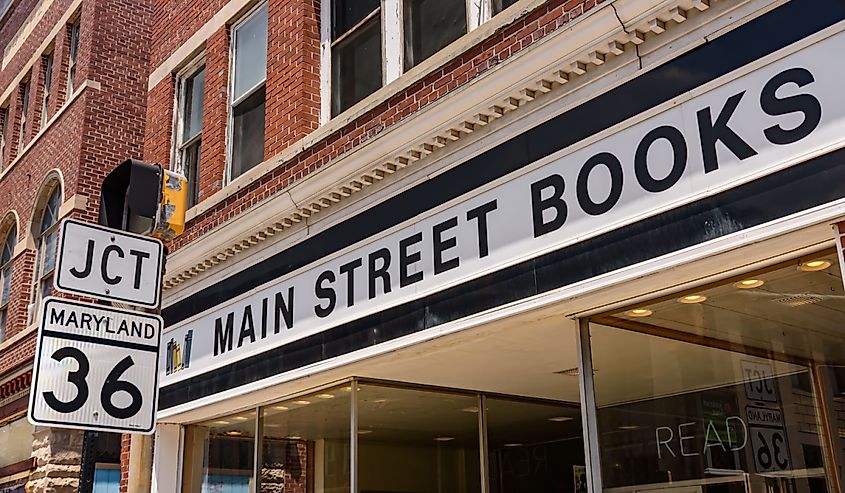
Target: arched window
6, 277
46, 232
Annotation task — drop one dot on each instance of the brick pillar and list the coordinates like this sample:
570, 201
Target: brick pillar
159, 128
125, 442
36, 91
58, 88
293, 73
58, 456
21, 286
215, 113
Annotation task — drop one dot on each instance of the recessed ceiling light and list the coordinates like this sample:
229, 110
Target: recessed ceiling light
347, 388
234, 433
513, 445
241, 418
272, 425
326, 396
281, 408
444, 439
692, 298
560, 419
814, 265
639, 312
629, 427
294, 437
221, 422
471, 409
302, 403
749, 283
380, 401
364, 432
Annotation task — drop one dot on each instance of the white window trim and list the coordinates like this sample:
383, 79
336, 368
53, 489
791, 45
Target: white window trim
37, 271
45, 94
231, 102
4, 307
73, 54
392, 44
188, 71
24, 110
4, 128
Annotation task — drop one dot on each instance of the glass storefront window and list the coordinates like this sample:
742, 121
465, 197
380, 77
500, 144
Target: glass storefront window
534, 446
306, 443
412, 440
220, 455
729, 388
409, 440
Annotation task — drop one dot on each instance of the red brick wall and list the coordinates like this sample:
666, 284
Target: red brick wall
293, 73
125, 442
94, 133
299, 103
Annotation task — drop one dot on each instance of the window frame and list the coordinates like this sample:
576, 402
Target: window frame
6, 272
39, 276
392, 44
232, 102
180, 147
73, 53
4, 129
23, 120
45, 94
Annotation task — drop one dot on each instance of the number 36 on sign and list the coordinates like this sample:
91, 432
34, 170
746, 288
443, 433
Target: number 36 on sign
96, 368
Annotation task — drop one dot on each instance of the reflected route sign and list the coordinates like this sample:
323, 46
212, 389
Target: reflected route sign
96, 368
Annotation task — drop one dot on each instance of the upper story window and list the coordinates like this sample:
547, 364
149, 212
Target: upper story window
6, 277
500, 5
48, 80
372, 42
249, 73
189, 128
356, 51
4, 131
46, 232
430, 25
71, 63
24, 111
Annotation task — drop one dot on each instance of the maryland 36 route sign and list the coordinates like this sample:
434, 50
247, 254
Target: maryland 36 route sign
96, 368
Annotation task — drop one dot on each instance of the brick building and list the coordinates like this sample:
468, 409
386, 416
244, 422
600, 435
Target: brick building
499, 246
73, 104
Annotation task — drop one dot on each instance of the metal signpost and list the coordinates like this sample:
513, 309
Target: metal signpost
96, 366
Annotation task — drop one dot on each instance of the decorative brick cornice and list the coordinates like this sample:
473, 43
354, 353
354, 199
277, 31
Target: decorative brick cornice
519, 99
17, 385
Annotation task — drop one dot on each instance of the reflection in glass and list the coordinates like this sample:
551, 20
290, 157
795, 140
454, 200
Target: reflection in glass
225, 448
535, 446
717, 420
417, 441
306, 444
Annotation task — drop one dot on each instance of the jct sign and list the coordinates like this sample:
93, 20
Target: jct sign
109, 265
96, 368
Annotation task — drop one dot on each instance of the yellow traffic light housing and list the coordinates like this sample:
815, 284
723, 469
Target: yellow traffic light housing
173, 205
144, 198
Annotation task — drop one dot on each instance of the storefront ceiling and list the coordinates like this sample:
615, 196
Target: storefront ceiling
794, 313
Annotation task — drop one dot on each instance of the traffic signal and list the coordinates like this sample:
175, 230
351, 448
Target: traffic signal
144, 198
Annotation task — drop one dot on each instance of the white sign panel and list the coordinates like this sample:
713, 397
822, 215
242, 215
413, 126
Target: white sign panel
108, 264
759, 381
771, 452
96, 368
739, 129
764, 416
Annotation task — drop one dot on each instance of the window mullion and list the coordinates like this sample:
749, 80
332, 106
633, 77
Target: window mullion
393, 54
325, 62
476, 12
